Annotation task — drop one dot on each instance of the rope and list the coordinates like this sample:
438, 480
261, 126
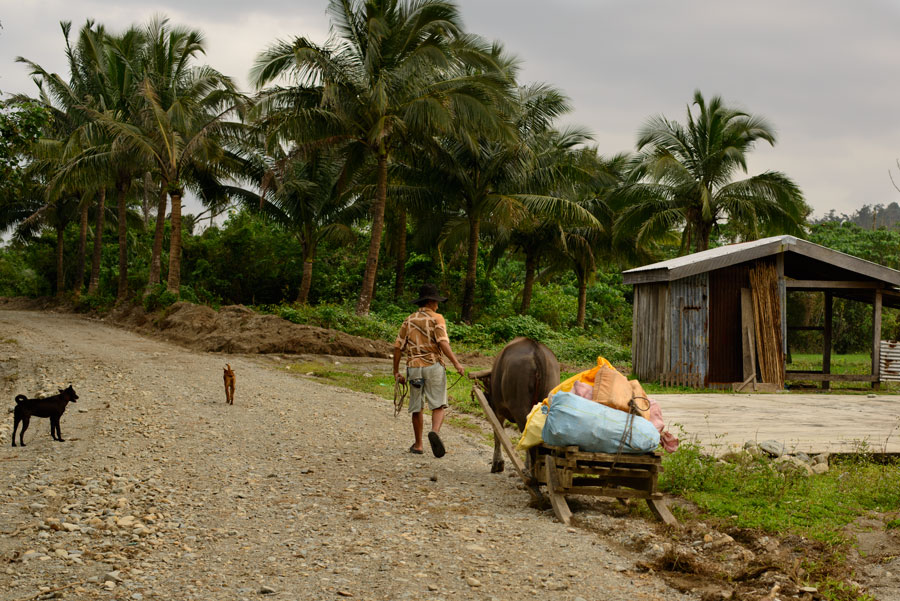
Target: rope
629, 423
401, 391
458, 378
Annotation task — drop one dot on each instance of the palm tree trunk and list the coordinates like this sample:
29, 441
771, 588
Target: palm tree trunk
174, 283
145, 198
368, 283
121, 192
530, 269
82, 249
60, 274
704, 231
155, 256
400, 265
306, 278
94, 282
582, 300
471, 269
308, 251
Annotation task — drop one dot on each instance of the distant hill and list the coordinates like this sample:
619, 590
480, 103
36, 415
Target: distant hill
870, 217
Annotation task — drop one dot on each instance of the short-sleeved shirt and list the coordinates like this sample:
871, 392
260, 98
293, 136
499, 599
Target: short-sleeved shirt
419, 337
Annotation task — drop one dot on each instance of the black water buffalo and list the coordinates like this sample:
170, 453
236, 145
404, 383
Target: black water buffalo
522, 375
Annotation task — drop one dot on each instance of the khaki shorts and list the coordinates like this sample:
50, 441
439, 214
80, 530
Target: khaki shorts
433, 389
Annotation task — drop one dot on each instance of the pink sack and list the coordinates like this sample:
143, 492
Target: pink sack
668, 440
583, 390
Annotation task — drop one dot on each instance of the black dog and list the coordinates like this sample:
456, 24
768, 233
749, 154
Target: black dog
52, 407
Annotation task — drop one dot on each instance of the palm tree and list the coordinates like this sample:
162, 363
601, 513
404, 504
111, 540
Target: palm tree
304, 195
560, 167
392, 74
180, 127
684, 176
75, 134
489, 177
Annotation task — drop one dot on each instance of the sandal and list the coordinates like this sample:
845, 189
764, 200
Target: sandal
416, 451
437, 446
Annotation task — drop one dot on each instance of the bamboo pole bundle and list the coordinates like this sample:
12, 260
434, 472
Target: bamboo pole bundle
767, 318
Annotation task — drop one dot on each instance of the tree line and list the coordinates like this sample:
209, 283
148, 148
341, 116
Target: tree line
403, 129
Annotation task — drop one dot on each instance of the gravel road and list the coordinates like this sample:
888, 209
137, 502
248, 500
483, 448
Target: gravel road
297, 491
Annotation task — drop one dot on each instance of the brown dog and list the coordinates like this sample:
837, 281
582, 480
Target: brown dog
229, 384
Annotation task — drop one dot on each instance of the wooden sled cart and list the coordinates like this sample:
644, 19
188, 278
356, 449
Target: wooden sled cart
570, 471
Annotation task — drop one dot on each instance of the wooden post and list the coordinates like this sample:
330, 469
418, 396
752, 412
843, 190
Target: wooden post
557, 497
826, 350
782, 301
876, 340
748, 335
507, 445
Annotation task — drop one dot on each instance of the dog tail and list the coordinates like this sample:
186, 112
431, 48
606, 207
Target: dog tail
228, 366
20, 398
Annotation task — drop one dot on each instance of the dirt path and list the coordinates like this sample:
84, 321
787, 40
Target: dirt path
298, 491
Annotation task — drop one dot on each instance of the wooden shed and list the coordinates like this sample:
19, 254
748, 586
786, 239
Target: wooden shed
717, 318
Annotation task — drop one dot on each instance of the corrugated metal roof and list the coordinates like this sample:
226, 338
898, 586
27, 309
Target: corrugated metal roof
725, 256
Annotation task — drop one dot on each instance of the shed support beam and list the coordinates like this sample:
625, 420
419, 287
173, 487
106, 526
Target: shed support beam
876, 340
835, 285
782, 301
826, 350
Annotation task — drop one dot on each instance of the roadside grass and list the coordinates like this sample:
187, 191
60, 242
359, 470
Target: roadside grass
855, 363
755, 494
858, 363
459, 393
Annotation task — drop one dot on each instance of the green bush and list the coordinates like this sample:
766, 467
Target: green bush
507, 328
335, 317
158, 298
17, 278
94, 303
584, 350
475, 335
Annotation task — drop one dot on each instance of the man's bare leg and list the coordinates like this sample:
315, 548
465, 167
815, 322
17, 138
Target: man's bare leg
437, 418
418, 422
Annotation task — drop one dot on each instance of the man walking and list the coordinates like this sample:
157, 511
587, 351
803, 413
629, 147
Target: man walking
423, 336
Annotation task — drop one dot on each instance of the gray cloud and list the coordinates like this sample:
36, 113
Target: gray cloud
825, 73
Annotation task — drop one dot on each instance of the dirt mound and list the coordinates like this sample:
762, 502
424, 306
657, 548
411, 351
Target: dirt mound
233, 329
237, 329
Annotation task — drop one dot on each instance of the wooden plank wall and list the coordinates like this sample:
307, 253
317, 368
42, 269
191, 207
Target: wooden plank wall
688, 337
648, 334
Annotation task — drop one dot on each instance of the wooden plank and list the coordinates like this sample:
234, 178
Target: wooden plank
615, 472
607, 491
479, 374
748, 336
820, 377
506, 443
832, 285
782, 305
651, 458
644, 483
660, 509
826, 342
557, 499
756, 387
738, 387
876, 339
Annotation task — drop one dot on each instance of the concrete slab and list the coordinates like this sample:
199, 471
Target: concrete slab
811, 423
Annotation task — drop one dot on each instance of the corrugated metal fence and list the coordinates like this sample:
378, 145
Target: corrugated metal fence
890, 361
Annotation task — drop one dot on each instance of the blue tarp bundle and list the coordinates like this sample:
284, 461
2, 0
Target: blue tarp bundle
595, 428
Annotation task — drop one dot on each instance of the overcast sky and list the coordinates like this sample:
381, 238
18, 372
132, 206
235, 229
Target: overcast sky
825, 73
